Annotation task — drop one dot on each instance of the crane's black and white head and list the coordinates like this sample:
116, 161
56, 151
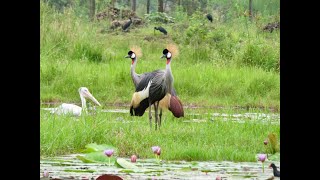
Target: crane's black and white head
84, 92
131, 55
166, 54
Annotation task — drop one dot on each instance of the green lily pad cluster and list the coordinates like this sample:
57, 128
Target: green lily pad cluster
94, 153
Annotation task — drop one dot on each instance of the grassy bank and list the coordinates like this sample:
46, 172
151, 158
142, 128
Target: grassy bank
220, 64
210, 140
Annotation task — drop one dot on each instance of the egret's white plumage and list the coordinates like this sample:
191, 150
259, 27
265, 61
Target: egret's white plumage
73, 109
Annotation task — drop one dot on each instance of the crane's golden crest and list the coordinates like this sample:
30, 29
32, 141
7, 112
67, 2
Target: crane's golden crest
174, 49
137, 50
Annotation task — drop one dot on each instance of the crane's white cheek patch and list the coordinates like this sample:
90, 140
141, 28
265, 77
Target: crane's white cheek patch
169, 55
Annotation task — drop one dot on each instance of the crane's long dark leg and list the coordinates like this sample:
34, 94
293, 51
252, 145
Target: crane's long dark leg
150, 115
160, 115
156, 105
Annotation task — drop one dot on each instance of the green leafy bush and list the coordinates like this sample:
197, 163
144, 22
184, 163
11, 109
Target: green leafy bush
159, 17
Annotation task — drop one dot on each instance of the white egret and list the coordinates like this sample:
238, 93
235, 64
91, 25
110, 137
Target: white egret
73, 109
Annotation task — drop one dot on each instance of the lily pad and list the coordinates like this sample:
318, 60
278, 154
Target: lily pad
185, 169
84, 159
194, 163
94, 147
96, 157
127, 171
125, 164
208, 170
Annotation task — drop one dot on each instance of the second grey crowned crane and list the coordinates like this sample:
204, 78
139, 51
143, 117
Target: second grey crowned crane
170, 101
152, 88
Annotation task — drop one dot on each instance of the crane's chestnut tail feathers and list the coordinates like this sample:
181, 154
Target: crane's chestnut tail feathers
176, 107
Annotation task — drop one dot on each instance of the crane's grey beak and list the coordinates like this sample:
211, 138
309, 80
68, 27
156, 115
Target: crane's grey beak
128, 56
90, 96
163, 56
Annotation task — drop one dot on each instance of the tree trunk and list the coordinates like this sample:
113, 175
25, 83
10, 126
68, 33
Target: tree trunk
113, 2
128, 3
250, 10
134, 2
92, 8
203, 4
160, 5
148, 6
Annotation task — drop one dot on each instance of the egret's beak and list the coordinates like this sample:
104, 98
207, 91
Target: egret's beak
89, 95
163, 56
128, 56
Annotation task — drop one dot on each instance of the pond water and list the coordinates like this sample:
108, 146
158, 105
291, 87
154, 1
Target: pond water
194, 117
69, 167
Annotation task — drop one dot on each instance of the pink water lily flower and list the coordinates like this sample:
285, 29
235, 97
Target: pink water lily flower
108, 152
155, 149
45, 173
262, 157
133, 158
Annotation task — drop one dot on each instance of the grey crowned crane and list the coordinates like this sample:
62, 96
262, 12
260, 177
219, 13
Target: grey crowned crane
170, 101
152, 88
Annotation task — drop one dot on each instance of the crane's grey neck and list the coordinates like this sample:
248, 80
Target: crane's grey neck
133, 64
169, 76
134, 75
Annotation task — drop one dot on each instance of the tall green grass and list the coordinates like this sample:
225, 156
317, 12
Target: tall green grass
228, 64
210, 140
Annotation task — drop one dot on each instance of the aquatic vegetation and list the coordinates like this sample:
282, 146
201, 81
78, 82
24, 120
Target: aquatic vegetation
157, 151
133, 158
262, 158
45, 173
109, 153
125, 164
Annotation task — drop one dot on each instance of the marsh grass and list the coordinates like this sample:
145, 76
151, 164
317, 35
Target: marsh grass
228, 64
219, 139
